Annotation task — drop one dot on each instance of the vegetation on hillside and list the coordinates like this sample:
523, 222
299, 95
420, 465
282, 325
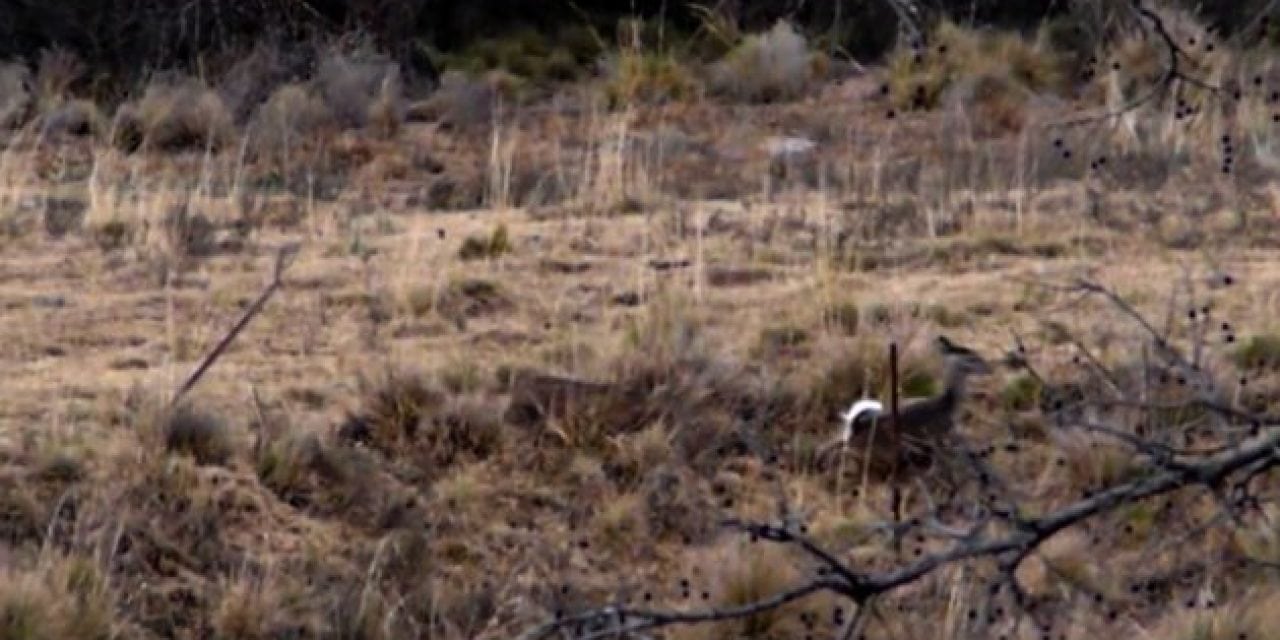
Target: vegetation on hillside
517, 319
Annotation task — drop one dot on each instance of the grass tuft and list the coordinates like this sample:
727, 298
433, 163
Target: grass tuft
1258, 352
478, 247
202, 435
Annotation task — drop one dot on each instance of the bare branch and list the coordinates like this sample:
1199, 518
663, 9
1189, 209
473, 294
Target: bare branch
633, 620
283, 260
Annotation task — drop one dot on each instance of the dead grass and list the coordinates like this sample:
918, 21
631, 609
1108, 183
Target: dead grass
991, 72
176, 114
766, 67
655, 375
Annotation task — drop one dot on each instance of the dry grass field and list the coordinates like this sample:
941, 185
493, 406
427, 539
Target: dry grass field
350, 468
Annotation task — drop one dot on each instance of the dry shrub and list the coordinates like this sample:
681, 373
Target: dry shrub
60, 597
352, 85
289, 122
15, 94
637, 76
771, 66
638, 452
921, 79
198, 433
304, 472
467, 428
173, 115
622, 524
678, 504
1142, 59
392, 411
997, 102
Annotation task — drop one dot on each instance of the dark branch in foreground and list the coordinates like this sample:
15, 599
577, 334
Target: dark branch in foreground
1261, 454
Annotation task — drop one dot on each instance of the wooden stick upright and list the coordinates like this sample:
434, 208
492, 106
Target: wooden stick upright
896, 438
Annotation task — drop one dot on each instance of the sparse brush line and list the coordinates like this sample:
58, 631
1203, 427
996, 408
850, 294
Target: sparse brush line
284, 258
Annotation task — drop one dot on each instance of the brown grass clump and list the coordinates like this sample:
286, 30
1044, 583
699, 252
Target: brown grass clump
622, 524
679, 504
175, 115
979, 67
405, 415
359, 88
393, 410
471, 298
477, 247
198, 433
635, 76
58, 597
289, 123
250, 610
